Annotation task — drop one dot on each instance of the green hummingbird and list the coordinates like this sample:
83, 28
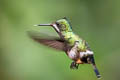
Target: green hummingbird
75, 47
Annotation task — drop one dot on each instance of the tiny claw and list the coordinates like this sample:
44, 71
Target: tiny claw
74, 65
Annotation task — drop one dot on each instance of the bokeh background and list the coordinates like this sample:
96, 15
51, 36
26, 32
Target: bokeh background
96, 21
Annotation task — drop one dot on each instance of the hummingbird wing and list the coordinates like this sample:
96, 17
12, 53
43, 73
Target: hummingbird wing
50, 41
56, 44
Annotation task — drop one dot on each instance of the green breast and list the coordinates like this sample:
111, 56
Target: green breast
71, 38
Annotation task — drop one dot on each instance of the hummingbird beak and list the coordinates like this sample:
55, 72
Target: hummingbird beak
94, 67
52, 25
43, 25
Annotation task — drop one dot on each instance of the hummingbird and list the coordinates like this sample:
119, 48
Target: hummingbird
74, 46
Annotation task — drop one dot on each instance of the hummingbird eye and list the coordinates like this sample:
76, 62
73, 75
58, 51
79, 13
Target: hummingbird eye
61, 26
58, 24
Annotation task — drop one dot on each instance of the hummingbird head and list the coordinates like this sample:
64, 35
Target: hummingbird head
63, 25
59, 25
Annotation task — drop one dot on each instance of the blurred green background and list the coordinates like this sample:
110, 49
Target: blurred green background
96, 21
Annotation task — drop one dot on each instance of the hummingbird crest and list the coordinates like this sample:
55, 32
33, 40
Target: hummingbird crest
75, 47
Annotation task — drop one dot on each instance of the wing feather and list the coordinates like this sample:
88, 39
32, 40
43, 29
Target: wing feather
47, 40
56, 44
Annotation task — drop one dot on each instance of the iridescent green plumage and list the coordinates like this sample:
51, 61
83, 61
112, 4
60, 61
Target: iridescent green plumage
75, 47
69, 36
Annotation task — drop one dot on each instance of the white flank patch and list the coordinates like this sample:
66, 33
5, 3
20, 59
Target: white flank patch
88, 52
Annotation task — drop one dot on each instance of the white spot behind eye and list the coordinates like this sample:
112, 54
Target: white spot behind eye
56, 27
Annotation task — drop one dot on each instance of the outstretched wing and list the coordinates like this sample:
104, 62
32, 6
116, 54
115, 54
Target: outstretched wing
57, 44
47, 40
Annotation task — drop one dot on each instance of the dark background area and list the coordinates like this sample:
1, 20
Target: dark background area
96, 21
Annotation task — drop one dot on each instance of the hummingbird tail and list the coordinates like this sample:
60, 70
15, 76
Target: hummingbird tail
95, 68
96, 71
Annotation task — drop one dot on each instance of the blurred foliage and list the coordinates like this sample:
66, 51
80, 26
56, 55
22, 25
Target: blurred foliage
97, 21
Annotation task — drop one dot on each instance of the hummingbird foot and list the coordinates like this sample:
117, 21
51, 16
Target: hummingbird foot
74, 65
